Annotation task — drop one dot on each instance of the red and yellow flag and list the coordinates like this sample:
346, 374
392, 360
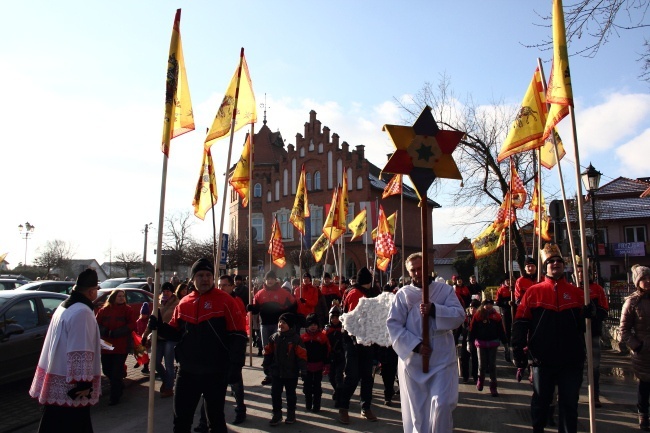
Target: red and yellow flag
384, 244
505, 215
559, 92
393, 187
300, 209
392, 220
517, 189
343, 203
205, 195
240, 91
332, 227
534, 203
240, 179
179, 117
547, 152
488, 241
528, 127
276, 247
319, 247
358, 225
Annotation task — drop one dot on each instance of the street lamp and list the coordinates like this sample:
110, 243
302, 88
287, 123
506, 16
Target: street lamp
27, 229
591, 180
144, 254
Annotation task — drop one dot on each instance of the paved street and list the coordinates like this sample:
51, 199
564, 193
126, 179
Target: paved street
476, 412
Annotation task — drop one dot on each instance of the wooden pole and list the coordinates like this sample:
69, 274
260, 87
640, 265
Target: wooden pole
425, 277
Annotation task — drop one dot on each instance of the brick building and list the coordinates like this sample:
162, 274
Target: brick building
326, 160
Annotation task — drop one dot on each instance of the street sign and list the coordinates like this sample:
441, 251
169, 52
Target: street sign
631, 249
224, 250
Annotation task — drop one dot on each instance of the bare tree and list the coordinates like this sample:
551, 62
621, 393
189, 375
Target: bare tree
176, 238
55, 254
128, 262
485, 181
592, 23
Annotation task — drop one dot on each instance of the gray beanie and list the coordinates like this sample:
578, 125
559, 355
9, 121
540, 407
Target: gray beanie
639, 272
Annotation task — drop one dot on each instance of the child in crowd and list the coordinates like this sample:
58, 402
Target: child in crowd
318, 348
468, 351
286, 359
140, 328
486, 330
337, 357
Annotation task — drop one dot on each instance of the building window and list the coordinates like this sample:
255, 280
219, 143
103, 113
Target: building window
308, 180
285, 226
233, 227
277, 190
320, 147
359, 182
317, 180
285, 183
316, 218
339, 172
311, 145
258, 228
302, 152
257, 190
269, 197
635, 234
330, 171
349, 179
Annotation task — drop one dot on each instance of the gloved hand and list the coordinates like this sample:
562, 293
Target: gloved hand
303, 301
153, 323
520, 374
589, 311
511, 303
249, 307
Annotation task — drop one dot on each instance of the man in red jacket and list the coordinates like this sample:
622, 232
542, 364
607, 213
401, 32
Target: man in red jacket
211, 333
306, 295
526, 280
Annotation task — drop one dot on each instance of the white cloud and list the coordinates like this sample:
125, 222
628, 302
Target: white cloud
633, 155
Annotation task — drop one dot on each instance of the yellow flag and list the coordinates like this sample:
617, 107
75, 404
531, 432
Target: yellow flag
384, 244
358, 225
2, 257
343, 203
300, 209
547, 152
391, 225
487, 242
393, 187
559, 92
240, 180
179, 117
319, 247
528, 127
276, 247
332, 227
205, 195
246, 109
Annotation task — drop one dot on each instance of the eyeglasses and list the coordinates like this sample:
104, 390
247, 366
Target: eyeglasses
551, 261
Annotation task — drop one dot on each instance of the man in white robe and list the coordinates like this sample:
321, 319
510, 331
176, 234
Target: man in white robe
68, 376
427, 399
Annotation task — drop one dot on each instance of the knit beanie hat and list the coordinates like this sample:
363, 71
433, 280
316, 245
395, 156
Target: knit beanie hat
306, 275
364, 276
327, 275
202, 264
639, 272
335, 311
86, 279
144, 310
289, 319
311, 319
270, 274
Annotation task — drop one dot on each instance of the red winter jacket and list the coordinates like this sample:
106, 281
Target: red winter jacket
318, 348
116, 322
309, 293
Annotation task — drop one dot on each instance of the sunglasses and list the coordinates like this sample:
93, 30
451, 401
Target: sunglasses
551, 261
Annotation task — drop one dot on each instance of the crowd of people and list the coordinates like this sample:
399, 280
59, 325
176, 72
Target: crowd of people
301, 338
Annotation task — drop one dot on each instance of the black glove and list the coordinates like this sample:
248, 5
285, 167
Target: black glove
303, 301
520, 374
589, 311
153, 323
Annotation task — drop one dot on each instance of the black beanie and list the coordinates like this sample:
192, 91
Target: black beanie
289, 319
364, 276
202, 264
306, 275
311, 319
270, 274
86, 279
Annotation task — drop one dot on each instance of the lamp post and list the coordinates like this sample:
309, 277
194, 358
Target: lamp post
591, 181
25, 232
144, 254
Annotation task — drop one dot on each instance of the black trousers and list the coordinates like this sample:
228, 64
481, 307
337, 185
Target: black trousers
57, 419
312, 387
358, 368
289, 385
113, 369
336, 372
388, 359
189, 388
568, 379
643, 395
465, 358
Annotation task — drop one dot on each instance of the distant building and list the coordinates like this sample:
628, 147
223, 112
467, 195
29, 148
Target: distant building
74, 267
326, 160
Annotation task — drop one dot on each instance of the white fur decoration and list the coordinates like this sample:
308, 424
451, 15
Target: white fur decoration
367, 322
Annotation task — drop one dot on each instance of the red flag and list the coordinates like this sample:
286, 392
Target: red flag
393, 187
276, 247
384, 244
517, 189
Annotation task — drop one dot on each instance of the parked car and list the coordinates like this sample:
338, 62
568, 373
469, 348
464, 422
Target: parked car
134, 297
50, 286
134, 285
24, 318
111, 283
11, 283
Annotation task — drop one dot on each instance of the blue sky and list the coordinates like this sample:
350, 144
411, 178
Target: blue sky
84, 84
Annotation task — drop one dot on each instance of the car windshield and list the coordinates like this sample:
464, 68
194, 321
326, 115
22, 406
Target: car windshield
109, 284
30, 286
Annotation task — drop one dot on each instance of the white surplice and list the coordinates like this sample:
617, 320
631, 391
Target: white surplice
428, 399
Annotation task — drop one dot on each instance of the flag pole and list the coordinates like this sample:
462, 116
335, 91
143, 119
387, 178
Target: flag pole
539, 212
250, 249
232, 133
509, 214
401, 223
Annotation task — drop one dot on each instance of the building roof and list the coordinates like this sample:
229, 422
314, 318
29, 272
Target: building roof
623, 185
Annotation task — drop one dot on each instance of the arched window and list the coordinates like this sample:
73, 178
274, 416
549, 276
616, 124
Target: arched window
277, 190
308, 180
285, 183
257, 191
330, 171
311, 145
320, 147
269, 197
359, 182
317, 180
349, 179
302, 152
